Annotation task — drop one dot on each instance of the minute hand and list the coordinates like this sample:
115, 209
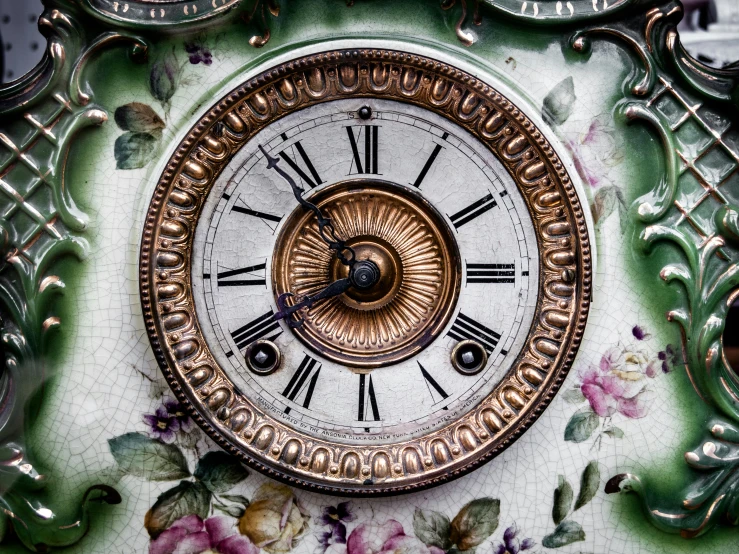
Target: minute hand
325, 227
334, 289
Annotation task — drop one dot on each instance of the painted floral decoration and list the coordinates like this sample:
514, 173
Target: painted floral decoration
143, 127
191, 535
596, 151
567, 530
335, 535
198, 53
616, 386
610, 390
274, 520
381, 538
512, 544
337, 515
162, 425
435, 533
177, 410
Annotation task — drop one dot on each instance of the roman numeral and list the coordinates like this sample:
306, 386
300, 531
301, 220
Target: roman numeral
429, 162
370, 162
223, 276
472, 211
491, 273
270, 220
466, 328
263, 327
367, 392
311, 182
298, 382
432, 384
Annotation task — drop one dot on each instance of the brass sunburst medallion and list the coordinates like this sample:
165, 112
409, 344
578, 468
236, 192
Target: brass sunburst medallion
419, 267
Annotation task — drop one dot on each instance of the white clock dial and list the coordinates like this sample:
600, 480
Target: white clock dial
405, 151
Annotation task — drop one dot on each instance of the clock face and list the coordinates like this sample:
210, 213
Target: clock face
365, 272
445, 223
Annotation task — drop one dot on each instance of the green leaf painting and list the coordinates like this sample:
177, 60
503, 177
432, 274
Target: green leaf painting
432, 528
573, 396
608, 199
138, 118
475, 522
185, 499
581, 425
135, 150
139, 455
220, 471
559, 103
562, 500
566, 533
589, 483
614, 432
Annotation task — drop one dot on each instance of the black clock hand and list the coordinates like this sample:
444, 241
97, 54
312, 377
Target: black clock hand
334, 289
326, 229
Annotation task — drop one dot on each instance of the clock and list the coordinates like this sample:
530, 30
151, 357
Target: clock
365, 272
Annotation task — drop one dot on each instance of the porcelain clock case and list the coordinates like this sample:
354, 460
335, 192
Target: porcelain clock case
472, 228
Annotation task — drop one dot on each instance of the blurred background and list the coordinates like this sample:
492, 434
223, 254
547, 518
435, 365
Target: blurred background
709, 30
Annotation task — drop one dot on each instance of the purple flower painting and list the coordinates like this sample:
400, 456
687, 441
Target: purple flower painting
512, 544
177, 410
335, 535
198, 53
162, 425
596, 151
332, 515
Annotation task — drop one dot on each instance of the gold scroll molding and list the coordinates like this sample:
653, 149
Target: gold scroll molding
247, 431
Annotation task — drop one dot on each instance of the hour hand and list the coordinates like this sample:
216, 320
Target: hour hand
325, 227
334, 289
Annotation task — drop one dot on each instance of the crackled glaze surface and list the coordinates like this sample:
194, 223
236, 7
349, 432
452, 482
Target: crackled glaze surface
648, 137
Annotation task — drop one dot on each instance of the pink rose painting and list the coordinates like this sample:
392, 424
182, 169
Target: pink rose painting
615, 386
433, 532
381, 538
192, 535
609, 394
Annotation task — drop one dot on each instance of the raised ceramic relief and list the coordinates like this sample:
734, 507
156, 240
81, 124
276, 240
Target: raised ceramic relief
632, 138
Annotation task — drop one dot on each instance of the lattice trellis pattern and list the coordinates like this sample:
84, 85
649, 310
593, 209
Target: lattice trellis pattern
709, 159
26, 206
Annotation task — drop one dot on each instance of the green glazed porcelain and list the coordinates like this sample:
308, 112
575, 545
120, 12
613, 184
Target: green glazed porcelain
102, 452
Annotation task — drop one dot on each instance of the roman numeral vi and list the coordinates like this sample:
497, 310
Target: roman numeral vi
367, 399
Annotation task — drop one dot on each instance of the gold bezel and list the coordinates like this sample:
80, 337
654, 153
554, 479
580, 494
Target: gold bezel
272, 447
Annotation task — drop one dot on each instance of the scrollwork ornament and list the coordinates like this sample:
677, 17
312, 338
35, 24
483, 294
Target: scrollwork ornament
707, 268
52, 101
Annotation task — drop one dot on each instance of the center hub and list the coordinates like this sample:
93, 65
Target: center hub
379, 253
405, 281
364, 275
